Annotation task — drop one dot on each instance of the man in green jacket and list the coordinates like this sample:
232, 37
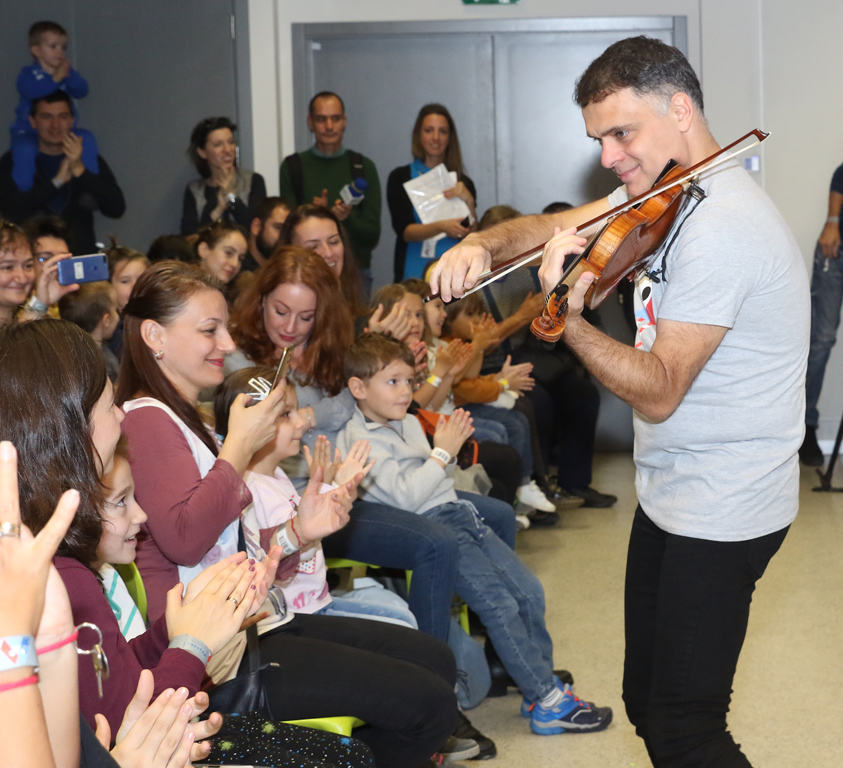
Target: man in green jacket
318, 174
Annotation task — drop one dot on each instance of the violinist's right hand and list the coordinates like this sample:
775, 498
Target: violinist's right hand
459, 269
561, 245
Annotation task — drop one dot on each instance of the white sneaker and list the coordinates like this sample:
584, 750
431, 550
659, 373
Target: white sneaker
532, 495
523, 522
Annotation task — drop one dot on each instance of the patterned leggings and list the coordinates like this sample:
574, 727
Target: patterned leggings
249, 739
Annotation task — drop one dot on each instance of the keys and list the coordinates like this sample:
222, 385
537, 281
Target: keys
97, 655
100, 666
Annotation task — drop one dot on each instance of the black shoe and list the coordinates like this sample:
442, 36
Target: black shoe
810, 453
541, 519
459, 748
465, 730
594, 498
564, 500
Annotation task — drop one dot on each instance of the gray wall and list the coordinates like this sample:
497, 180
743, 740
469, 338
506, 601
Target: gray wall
155, 69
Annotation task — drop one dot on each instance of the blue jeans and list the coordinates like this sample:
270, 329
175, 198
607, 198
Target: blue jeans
517, 430
497, 514
506, 596
395, 538
826, 297
365, 609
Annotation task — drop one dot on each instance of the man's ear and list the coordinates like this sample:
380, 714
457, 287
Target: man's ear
255, 226
683, 109
357, 387
32, 121
310, 124
152, 334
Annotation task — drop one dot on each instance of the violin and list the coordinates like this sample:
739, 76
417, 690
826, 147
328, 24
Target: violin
626, 238
619, 249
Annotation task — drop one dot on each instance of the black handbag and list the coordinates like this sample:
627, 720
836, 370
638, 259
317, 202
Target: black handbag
246, 692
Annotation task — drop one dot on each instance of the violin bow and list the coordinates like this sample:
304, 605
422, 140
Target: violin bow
712, 161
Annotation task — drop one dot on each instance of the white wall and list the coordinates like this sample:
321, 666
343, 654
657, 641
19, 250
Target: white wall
770, 64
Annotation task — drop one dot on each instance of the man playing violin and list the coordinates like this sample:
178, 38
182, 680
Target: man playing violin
716, 384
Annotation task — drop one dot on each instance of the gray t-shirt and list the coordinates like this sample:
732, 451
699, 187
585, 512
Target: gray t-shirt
724, 466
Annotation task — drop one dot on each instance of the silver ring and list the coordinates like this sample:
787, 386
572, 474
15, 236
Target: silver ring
233, 599
10, 529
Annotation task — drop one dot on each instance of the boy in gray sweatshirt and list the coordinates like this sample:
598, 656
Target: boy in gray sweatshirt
497, 586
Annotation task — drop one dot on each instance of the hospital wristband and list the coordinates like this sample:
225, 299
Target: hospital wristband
17, 651
36, 305
442, 455
192, 645
284, 541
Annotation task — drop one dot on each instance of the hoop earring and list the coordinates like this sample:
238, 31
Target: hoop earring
159, 354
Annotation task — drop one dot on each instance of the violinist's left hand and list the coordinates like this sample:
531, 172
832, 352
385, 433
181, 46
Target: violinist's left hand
561, 245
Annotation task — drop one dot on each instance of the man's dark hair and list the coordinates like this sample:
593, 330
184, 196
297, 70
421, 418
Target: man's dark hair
646, 65
87, 306
171, 248
557, 207
40, 28
372, 352
52, 98
325, 95
267, 206
46, 226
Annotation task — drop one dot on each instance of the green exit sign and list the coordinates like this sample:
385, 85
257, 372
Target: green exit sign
489, 2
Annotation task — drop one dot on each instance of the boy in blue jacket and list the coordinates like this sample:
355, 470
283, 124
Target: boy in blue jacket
50, 71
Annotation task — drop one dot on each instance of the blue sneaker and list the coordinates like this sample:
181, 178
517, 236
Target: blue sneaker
527, 705
571, 714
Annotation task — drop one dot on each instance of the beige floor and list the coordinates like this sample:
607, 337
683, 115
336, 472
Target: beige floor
787, 707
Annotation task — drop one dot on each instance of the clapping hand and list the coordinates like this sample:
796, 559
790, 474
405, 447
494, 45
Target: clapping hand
452, 432
160, 735
517, 376
395, 324
321, 457
321, 514
217, 612
419, 350
484, 333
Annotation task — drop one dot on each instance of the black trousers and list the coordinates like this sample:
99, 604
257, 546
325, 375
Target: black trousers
687, 609
399, 681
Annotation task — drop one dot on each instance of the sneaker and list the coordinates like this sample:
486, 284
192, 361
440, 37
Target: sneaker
465, 730
810, 453
459, 749
571, 714
594, 498
539, 519
562, 677
523, 522
531, 495
564, 500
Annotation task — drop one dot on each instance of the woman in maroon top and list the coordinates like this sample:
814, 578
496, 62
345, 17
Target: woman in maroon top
54, 361
400, 682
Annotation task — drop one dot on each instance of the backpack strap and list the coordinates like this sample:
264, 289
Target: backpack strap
355, 161
296, 177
